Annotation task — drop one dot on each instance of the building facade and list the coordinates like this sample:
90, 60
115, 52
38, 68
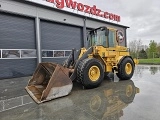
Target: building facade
31, 33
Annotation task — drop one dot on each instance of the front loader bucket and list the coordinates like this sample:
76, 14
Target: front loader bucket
49, 81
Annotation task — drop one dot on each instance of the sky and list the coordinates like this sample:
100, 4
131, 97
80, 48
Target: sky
142, 16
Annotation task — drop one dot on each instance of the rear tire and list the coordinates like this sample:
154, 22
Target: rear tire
90, 72
126, 69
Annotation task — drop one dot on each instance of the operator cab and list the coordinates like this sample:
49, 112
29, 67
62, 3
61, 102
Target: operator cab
102, 37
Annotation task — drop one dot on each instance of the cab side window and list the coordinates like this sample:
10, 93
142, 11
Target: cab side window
111, 39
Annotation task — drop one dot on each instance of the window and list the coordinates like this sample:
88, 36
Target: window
10, 53
47, 53
55, 53
32, 53
28, 53
67, 53
17, 53
58, 53
0, 53
101, 38
97, 37
111, 38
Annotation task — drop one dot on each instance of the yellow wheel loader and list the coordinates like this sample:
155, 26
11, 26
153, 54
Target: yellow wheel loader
88, 65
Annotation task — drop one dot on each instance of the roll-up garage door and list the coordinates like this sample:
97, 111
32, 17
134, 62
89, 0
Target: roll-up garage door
17, 46
58, 40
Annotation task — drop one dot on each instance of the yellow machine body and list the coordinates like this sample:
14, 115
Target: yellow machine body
110, 57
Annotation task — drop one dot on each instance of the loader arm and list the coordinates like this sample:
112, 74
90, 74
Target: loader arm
84, 56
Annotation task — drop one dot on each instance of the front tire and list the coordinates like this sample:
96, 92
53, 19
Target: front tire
126, 69
90, 72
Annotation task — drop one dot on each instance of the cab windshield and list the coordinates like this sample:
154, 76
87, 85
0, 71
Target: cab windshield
97, 37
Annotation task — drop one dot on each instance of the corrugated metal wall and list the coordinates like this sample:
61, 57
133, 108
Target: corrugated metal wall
16, 33
56, 36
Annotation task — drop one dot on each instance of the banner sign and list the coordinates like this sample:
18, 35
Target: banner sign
90, 10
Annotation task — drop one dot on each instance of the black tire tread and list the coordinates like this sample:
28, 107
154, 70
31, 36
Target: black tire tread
81, 68
121, 73
80, 72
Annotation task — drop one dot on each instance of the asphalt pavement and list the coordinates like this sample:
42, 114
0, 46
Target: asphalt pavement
135, 99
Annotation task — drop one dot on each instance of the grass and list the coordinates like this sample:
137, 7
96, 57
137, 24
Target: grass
155, 61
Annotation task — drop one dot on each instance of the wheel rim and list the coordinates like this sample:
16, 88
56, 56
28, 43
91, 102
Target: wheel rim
94, 73
128, 68
129, 90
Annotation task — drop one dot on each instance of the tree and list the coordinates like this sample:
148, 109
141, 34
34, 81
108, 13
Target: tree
142, 54
158, 49
135, 47
138, 45
132, 47
152, 53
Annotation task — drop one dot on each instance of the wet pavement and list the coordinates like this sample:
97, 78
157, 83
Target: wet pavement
136, 99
